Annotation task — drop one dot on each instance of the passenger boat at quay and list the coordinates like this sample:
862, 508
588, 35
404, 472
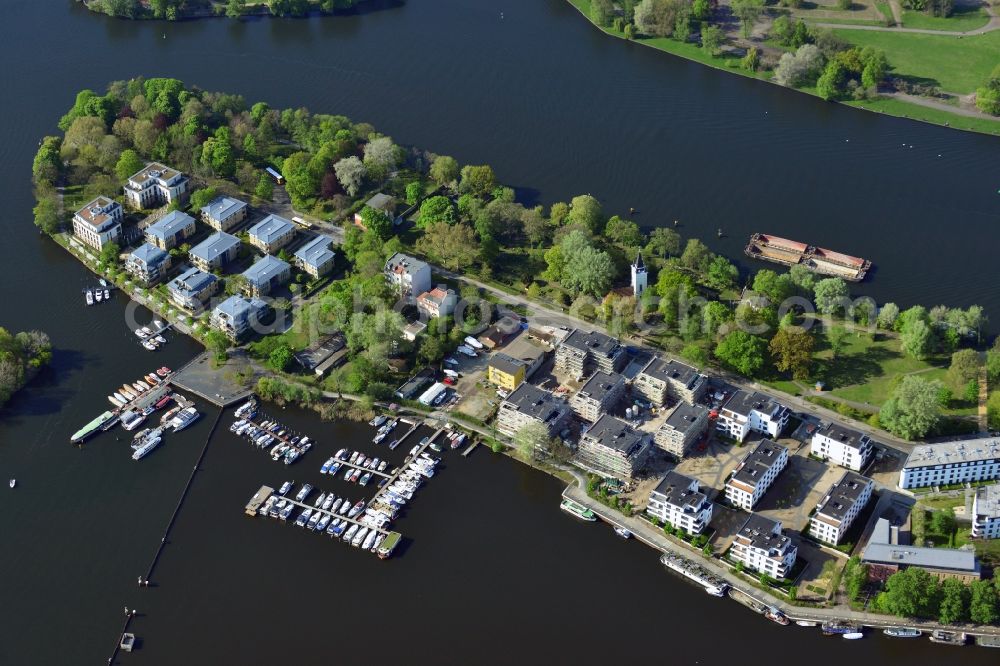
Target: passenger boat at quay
839, 628
692, 571
578, 510
817, 259
902, 632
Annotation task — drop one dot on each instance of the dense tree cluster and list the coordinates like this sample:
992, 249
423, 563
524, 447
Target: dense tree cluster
988, 94
915, 593
21, 356
172, 10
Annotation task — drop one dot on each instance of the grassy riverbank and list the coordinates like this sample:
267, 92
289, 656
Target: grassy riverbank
955, 64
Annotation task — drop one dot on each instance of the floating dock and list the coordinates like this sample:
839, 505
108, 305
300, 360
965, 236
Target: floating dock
258, 499
817, 259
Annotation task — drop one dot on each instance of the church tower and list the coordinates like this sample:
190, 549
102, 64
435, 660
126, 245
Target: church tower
639, 276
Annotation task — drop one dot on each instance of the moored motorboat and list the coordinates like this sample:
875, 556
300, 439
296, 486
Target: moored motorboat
115, 401
806, 623
775, 615
150, 442
12, 483
184, 418
853, 636
623, 533
578, 510
902, 632
89, 297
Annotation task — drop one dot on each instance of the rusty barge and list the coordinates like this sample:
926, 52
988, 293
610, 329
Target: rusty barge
817, 259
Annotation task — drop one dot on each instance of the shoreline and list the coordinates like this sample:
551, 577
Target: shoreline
894, 106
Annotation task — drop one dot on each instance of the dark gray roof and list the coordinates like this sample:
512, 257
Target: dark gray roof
843, 495
760, 532
614, 433
839, 433
758, 461
191, 281
600, 384
674, 489
671, 370
684, 415
743, 402
506, 364
594, 342
880, 551
536, 403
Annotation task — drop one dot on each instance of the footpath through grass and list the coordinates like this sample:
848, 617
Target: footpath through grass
963, 19
896, 107
955, 64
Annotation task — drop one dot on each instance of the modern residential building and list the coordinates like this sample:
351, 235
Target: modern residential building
842, 446
148, 263
885, 557
271, 234
99, 222
408, 275
661, 378
684, 426
380, 202
761, 546
506, 371
224, 213
986, 512
237, 315
839, 507
581, 350
170, 230
266, 275
599, 395
155, 185
640, 277
316, 258
612, 447
530, 404
192, 289
951, 462
215, 252
746, 411
755, 474
438, 302
678, 501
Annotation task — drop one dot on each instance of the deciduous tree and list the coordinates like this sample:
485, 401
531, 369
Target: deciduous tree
742, 352
792, 348
913, 410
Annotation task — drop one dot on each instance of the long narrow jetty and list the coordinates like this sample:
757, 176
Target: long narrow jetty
304, 505
399, 470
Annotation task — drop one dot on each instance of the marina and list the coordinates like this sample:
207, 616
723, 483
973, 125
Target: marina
361, 523
819, 260
285, 445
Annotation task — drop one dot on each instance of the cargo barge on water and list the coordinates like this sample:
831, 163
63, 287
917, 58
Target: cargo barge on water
819, 260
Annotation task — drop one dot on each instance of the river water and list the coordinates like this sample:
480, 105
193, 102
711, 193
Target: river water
493, 571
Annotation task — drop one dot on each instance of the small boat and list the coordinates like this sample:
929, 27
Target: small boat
332, 529
578, 510
128, 392
334, 468
120, 397
393, 444
902, 632
345, 507
319, 500
314, 521
624, 533
115, 401
837, 627
303, 493
853, 636
90, 297
162, 340
285, 487
365, 479
287, 511
378, 542
359, 537
12, 483
149, 410
152, 379
164, 401
806, 623
107, 294
132, 420
335, 507
141, 333
145, 385
948, 637
351, 531
147, 331
303, 517
347, 473
328, 502
158, 325
168, 415
355, 475
164, 371
326, 466
717, 590
98, 295
356, 509
775, 615
323, 522
149, 345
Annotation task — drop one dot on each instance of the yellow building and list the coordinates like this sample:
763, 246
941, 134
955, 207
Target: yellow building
506, 371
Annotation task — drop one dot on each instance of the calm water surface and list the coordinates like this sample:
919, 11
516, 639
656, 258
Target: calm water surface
493, 572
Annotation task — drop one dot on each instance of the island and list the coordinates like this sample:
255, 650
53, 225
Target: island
936, 61
22, 356
759, 429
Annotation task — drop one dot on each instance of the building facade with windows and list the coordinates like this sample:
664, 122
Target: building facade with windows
602, 392
530, 404
747, 412
155, 185
948, 463
316, 257
192, 289
684, 426
438, 302
678, 501
613, 448
661, 378
99, 223
170, 230
266, 275
271, 234
148, 263
408, 276
224, 213
580, 351
839, 508
755, 474
505, 371
884, 557
236, 316
842, 446
986, 512
762, 547
215, 252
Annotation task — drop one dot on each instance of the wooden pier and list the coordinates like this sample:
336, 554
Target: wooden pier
304, 505
402, 468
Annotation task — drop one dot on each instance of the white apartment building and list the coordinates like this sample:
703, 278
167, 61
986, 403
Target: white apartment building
410, 276
951, 462
842, 446
986, 512
755, 474
678, 501
155, 185
745, 412
839, 507
99, 222
761, 547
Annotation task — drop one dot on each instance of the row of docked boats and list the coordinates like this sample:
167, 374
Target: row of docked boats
358, 468
385, 427
280, 442
124, 395
97, 294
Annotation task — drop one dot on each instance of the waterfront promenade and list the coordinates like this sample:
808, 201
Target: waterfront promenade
655, 538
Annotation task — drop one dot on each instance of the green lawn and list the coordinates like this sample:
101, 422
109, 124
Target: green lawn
956, 65
963, 19
886, 11
895, 107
